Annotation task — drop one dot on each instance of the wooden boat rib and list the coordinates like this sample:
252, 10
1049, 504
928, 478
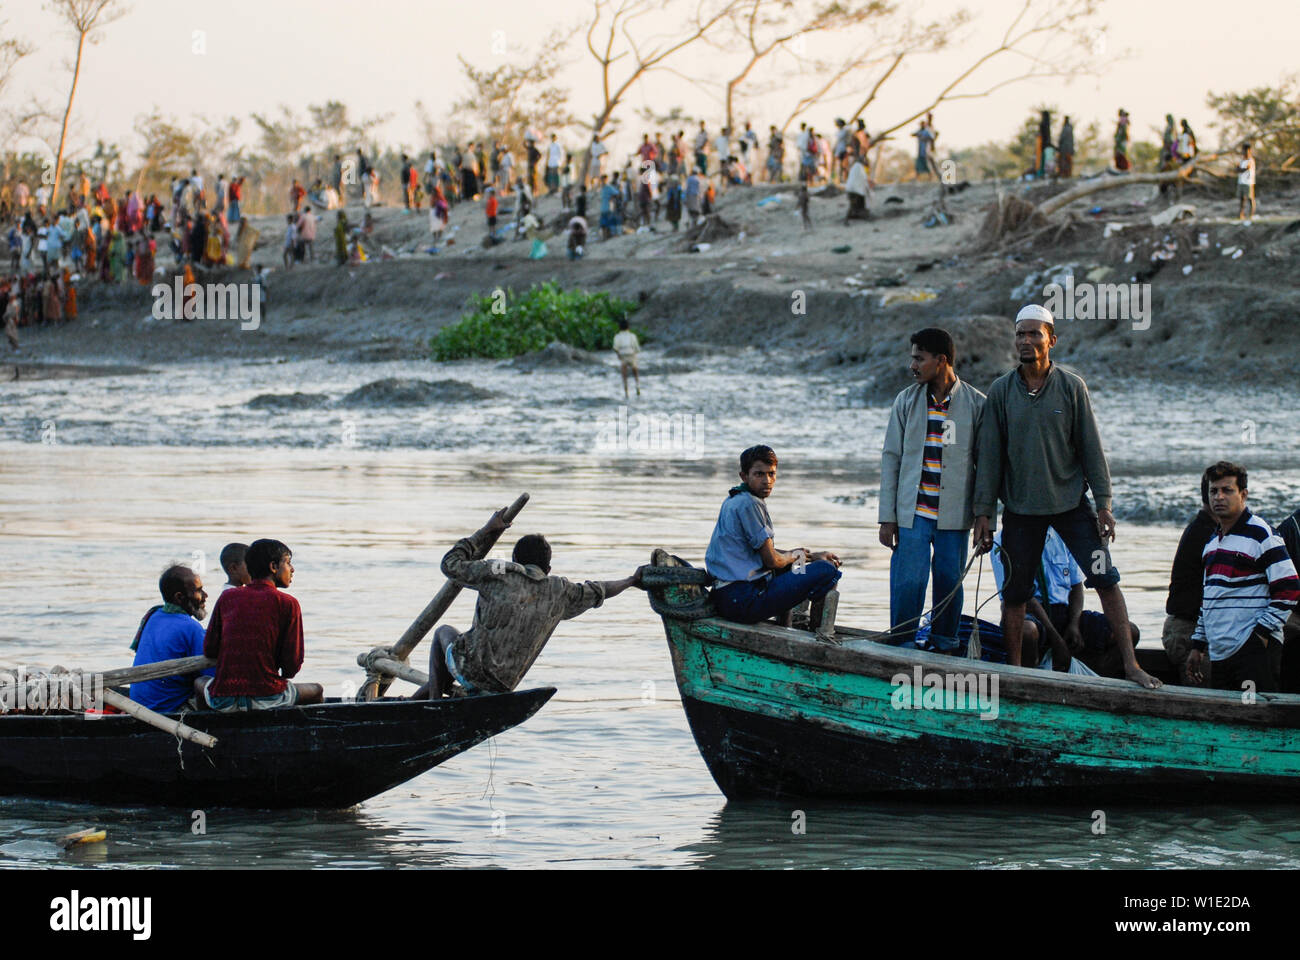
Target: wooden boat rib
777, 712
330, 755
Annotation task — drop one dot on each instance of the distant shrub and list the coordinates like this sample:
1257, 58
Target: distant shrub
530, 321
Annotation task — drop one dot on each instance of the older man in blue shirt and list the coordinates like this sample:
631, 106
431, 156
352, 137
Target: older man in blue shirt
753, 580
170, 632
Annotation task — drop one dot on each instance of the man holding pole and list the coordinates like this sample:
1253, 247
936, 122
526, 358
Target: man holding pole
519, 607
1039, 452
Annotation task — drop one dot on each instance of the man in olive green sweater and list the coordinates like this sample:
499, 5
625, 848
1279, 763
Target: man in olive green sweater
1039, 452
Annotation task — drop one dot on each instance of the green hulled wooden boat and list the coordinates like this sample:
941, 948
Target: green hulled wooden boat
776, 712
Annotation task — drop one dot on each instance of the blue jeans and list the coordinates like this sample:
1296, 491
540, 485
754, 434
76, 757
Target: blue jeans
912, 565
757, 600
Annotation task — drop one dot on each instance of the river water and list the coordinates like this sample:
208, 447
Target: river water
104, 481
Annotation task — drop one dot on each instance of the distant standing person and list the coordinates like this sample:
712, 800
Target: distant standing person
1040, 452
1121, 141
1044, 142
1065, 156
925, 138
554, 160
702, 150
775, 154
1246, 182
628, 349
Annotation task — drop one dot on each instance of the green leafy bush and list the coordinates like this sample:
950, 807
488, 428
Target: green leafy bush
530, 321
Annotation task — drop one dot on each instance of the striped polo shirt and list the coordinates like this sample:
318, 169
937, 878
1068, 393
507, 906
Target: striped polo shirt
927, 493
1250, 582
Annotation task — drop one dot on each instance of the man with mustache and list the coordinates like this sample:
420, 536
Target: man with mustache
1040, 452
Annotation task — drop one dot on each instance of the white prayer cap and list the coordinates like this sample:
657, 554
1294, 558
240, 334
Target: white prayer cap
1033, 311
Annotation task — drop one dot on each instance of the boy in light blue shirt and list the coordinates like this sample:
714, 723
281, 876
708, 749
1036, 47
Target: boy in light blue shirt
753, 580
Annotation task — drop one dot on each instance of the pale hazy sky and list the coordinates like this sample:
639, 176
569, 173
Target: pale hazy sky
380, 56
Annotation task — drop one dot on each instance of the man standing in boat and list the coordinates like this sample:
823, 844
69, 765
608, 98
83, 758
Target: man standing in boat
255, 635
927, 476
519, 607
753, 580
1250, 589
1040, 452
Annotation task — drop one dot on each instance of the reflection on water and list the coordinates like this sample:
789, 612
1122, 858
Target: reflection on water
815, 835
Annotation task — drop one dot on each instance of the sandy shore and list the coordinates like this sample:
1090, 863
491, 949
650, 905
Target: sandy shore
1226, 316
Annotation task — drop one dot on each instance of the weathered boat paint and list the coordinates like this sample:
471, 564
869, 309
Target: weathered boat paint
776, 712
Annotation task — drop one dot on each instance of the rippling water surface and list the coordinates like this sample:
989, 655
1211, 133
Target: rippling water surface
144, 470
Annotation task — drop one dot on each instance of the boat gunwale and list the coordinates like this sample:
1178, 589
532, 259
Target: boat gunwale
884, 661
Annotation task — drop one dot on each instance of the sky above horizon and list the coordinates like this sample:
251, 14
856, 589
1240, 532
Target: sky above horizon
382, 56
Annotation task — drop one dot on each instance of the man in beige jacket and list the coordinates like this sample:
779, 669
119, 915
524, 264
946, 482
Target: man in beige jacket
927, 476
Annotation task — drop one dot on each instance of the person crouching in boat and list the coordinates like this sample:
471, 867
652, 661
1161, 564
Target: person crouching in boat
927, 475
255, 635
753, 580
519, 606
169, 632
1040, 452
1250, 588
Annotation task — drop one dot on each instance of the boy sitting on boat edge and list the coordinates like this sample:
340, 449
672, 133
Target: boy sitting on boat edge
754, 581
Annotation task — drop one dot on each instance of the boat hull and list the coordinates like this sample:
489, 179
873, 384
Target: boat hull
326, 756
776, 713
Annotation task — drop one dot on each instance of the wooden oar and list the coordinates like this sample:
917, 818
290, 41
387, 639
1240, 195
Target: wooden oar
166, 724
375, 685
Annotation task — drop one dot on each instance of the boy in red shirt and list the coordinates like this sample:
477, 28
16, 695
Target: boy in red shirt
255, 635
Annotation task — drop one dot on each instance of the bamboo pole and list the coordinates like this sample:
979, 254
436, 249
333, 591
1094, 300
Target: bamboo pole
166, 724
374, 685
156, 671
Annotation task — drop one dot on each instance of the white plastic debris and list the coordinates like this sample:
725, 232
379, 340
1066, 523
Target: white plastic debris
1187, 269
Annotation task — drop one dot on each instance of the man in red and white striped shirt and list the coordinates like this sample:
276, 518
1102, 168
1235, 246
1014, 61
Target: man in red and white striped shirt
1250, 588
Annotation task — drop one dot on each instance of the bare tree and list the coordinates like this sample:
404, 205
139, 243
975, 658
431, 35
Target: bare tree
11, 51
168, 148
1048, 36
86, 20
513, 97
610, 38
764, 27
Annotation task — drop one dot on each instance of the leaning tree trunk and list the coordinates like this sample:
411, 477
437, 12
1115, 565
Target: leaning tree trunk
67, 114
1051, 205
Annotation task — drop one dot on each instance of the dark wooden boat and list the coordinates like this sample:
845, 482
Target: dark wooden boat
330, 755
777, 712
